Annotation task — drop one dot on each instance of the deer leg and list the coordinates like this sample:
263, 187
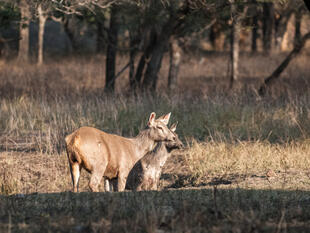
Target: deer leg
95, 178
108, 185
121, 182
113, 184
75, 175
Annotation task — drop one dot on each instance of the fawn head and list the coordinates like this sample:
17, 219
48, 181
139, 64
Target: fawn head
176, 143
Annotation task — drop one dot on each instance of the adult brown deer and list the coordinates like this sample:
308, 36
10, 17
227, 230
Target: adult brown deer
146, 172
110, 155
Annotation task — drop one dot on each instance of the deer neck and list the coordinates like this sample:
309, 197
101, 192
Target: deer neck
161, 155
144, 143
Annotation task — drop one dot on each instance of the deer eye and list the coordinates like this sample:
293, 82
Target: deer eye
161, 128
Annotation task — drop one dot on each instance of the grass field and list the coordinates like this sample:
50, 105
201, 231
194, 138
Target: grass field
245, 167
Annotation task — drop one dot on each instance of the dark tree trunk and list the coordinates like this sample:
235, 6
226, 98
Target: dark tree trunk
23, 50
307, 2
276, 74
213, 35
175, 60
254, 28
216, 37
268, 22
298, 16
153, 67
132, 54
70, 32
42, 21
111, 50
145, 57
134, 39
100, 33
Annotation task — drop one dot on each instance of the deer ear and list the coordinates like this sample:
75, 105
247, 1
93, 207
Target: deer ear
174, 127
152, 119
165, 118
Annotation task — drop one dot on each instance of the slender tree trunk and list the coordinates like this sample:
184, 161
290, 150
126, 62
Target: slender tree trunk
70, 32
111, 50
23, 50
234, 45
276, 74
42, 21
254, 27
234, 55
280, 28
145, 57
268, 22
298, 17
132, 55
175, 60
100, 33
153, 67
217, 37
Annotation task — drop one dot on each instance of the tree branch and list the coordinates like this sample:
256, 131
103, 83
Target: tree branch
276, 74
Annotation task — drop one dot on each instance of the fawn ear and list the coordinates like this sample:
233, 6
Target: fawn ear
152, 119
165, 118
174, 127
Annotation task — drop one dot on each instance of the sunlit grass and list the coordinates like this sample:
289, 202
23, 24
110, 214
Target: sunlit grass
245, 159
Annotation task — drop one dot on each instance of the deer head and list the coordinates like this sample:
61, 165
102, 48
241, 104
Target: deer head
158, 128
176, 143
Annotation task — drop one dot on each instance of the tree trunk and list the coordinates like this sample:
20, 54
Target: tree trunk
234, 43
280, 28
100, 33
268, 22
217, 37
153, 67
23, 50
145, 57
276, 74
132, 55
70, 32
307, 2
111, 50
175, 60
42, 20
298, 17
254, 28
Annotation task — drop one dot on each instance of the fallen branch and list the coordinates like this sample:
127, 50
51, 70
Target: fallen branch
119, 73
276, 74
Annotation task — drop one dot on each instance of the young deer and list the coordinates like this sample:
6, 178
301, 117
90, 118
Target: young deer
146, 172
110, 155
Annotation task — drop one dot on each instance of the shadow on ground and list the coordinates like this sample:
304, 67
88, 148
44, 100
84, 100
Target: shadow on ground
183, 210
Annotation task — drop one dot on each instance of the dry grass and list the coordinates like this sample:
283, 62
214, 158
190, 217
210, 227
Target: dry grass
33, 124
200, 75
258, 165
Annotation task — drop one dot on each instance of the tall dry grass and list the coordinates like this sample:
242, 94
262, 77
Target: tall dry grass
28, 123
258, 165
